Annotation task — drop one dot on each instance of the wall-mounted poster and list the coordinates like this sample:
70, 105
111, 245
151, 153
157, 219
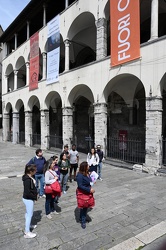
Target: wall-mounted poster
53, 50
34, 61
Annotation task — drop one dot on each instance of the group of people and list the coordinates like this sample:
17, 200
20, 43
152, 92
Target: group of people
38, 170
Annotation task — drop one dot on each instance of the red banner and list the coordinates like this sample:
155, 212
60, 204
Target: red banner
125, 31
34, 61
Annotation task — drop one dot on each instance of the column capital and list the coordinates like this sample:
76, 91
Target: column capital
67, 111
44, 55
100, 108
27, 64
44, 110
67, 42
101, 22
154, 104
28, 112
15, 71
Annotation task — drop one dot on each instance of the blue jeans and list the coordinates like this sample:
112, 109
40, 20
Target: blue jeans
63, 180
40, 178
99, 169
83, 213
49, 204
29, 204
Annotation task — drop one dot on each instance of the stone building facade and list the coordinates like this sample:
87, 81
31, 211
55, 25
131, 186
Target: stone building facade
92, 102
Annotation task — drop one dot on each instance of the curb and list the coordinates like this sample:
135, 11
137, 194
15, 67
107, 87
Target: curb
142, 239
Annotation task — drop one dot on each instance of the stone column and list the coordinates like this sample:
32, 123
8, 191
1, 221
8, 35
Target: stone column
44, 15
153, 133
100, 120
101, 43
67, 119
27, 30
66, 3
28, 128
6, 126
15, 127
67, 44
15, 79
44, 65
27, 73
6, 89
15, 42
45, 129
154, 19
4, 50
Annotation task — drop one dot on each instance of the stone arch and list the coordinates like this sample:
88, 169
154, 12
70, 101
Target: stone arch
9, 69
20, 66
18, 105
126, 109
81, 99
80, 90
107, 16
82, 35
33, 101
10, 77
8, 107
34, 107
54, 105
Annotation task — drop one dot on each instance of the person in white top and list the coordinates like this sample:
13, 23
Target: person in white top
74, 159
50, 177
93, 160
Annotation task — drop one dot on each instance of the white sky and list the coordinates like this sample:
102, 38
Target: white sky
9, 10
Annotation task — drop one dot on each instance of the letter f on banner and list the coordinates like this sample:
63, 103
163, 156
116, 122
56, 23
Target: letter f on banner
125, 31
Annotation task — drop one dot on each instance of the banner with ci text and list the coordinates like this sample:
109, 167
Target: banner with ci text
125, 31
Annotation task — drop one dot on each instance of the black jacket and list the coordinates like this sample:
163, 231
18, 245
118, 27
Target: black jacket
30, 191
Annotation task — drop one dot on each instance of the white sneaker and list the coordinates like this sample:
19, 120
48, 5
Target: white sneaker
33, 227
55, 212
43, 196
49, 216
100, 179
64, 192
29, 235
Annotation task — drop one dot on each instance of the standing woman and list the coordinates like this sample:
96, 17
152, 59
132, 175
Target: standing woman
29, 196
64, 165
50, 177
84, 189
93, 160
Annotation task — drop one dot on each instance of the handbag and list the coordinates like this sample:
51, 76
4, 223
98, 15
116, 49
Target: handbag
53, 188
85, 200
56, 187
48, 189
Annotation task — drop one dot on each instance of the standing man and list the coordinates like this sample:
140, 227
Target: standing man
101, 158
74, 159
66, 151
39, 161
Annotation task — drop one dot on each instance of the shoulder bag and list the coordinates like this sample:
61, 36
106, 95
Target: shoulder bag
84, 200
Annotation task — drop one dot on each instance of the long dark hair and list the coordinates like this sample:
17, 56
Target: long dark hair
84, 168
61, 156
29, 169
47, 165
90, 153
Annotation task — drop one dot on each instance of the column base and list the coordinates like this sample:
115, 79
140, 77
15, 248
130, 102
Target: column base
150, 169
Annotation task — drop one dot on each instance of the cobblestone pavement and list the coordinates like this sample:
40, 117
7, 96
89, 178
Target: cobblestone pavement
127, 203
